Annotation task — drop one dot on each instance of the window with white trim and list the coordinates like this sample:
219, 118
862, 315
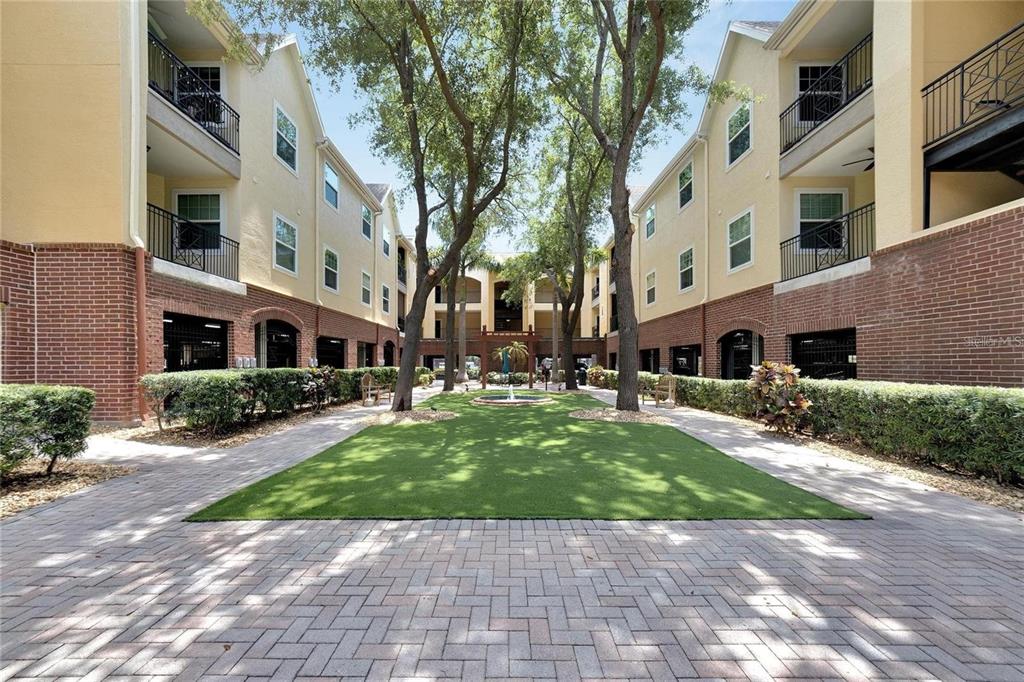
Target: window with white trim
816, 215
686, 185
738, 134
203, 212
286, 136
741, 240
686, 269
650, 288
286, 245
385, 298
330, 185
649, 221
330, 269
367, 288
385, 242
367, 223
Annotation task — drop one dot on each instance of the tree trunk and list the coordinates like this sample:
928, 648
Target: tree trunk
449, 332
568, 329
410, 349
462, 377
629, 354
554, 337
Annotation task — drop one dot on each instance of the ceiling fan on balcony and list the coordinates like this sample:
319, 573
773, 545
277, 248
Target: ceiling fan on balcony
870, 160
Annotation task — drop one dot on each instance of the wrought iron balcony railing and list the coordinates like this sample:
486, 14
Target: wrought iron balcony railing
986, 84
401, 323
402, 274
843, 239
828, 95
189, 93
177, 240
595, 291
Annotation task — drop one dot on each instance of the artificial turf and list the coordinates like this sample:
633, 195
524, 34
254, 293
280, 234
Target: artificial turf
521, 462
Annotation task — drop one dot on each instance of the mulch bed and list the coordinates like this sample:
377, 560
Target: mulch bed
29, 486
621, 417
411, 417
179, 435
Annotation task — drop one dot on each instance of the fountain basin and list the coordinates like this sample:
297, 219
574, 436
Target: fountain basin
503, 400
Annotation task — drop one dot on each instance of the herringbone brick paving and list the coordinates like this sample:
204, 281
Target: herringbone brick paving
112, 584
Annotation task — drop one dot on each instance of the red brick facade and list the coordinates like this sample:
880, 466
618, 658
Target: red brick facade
69, 318
947, 307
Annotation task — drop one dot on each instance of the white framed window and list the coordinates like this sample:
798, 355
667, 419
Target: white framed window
286, 245
331, 185
367, 223
649, 221
203, 211
686, 269
740, 240
816, 210
385, 242
737, 134
330, 269
286, 139
686, 185
367, 291
649, 287
385, 298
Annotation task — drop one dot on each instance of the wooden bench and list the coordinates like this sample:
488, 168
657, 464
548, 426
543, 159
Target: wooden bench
663, 391
369, 388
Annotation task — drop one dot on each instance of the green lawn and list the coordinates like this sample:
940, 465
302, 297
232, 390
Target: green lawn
521, 462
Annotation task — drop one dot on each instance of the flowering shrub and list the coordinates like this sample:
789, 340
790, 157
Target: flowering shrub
780, 404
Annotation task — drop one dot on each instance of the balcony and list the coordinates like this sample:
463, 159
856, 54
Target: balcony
826, 97
844, 239
613, 323
182, 87
176, 240
402, 274
986, 85
595, 291
401, 323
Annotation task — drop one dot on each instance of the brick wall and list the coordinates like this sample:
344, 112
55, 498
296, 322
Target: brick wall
947, 307
69, 318
81, 330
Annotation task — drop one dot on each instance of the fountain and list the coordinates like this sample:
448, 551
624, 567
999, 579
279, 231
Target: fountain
511, 399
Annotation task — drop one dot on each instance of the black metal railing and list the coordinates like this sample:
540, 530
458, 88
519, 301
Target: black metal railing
843, 239
984, 85
595, 291
402, 273
401, 323
613, 323
828, 95
177, 240
183, 87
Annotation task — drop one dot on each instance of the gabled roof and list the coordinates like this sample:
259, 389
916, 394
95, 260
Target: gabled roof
757, 30
290, 46
379, 190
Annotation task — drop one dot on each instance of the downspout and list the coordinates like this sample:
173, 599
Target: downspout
135, 194
318, 188
707, 265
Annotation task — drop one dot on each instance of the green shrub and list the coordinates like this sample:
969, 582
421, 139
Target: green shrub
216, 400
501, 379
473, 373
780, 404
45, 421
977, 430
425, 376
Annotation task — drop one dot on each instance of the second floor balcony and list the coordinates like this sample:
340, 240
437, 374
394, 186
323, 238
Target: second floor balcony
190, 94
820, 101
193, 245
840, 240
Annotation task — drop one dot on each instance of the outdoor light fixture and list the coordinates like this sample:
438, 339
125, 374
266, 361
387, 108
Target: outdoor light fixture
212, 326
166, 321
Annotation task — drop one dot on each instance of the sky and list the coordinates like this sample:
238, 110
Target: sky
702, 45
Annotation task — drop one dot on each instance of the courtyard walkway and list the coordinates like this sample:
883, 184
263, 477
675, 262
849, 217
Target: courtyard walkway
110, 583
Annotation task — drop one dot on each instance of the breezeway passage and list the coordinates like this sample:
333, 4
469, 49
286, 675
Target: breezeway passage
113, 582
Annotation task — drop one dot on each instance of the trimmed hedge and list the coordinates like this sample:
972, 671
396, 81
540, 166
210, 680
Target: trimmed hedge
976, 430
42, 421
214, 400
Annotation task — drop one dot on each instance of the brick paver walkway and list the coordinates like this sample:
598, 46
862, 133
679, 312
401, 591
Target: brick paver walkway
111, 582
